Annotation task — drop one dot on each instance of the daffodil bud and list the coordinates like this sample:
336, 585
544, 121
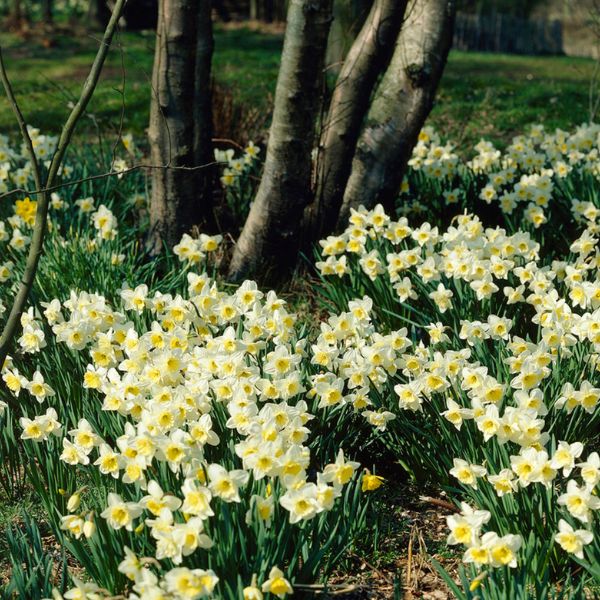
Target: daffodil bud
74, 502
89, 528
478, 581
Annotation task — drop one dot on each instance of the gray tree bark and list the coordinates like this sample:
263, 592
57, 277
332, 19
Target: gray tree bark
203, 125
367, 58
180, 120
271, 232
403, 100
349, 16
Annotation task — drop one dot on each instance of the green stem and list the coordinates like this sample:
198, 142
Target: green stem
39, 230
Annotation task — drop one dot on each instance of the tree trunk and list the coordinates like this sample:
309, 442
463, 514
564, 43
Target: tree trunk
254, 10
402, 102
180, 117
349, 17
17, 13
280, 10
222, 10
367, 59
141, 14
47, 12
270, 236
98, 14
203, 125
267, 15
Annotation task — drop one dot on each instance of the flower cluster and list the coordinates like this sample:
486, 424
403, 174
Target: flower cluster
197, 433
534, 172
193, 250
512, 362
240, 176
210, 395
486, 549
236, 167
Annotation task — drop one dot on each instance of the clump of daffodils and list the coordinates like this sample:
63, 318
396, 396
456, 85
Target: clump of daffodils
472, 351
502, 347
239, 176
17, 229
211, 400
536, 172
489, 548
235, 167
18, 214
193, 250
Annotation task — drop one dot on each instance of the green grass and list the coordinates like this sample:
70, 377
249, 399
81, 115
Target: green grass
46, 79
497, 96
489, 95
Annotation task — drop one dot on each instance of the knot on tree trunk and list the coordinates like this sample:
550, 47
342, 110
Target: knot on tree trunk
418, 74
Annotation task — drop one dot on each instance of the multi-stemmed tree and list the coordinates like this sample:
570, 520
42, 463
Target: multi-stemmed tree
316, 168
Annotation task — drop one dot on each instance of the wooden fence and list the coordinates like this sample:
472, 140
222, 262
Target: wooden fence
262, 10
495, 32
504, 33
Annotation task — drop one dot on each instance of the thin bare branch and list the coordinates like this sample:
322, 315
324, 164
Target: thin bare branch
39, 229
74, 182
37, 176
121, 92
